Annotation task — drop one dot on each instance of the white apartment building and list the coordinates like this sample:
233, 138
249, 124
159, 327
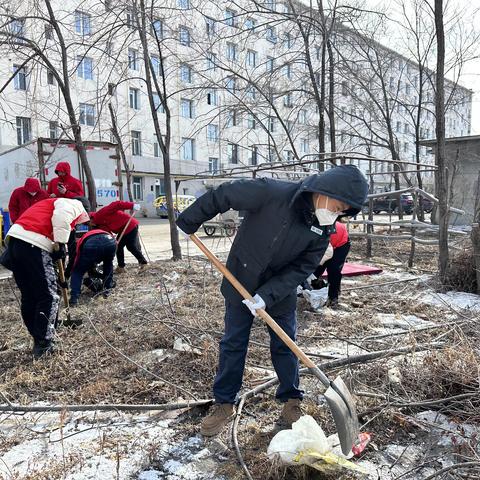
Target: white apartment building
239, 88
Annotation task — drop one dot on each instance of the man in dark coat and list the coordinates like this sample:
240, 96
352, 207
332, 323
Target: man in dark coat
280, 242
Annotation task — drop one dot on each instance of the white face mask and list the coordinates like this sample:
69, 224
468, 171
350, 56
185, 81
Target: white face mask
325, 216
32, 193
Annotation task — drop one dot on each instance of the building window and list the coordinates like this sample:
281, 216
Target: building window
212, 132
188, 149
270, 64
254, 155
272, 156
271, 124
87, 114
407, 88
233, 118
211, 61
344, 89
231, 85
287, 100
230, 18
157, 28
251, 92
250, 24
155, 64
131, 19
406, 128
302, 117
50, 77
252, 58
287, 69
132, 59
137, 186
85, 68
289, 125
231, 51
304, 145
405, 147
134, 98
184, 36
17, 27
186, 73
288, 155
232, 153
24, 130
82, 23
48, 32
156, 148
213, 165
20, 78
136, 142
157, 103
251, 121
184, 4
271, 34
210, 26
187, 108
212, 97
288, 40
53, 129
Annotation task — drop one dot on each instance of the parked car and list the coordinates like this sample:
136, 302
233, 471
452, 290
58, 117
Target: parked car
389, 204
180, 203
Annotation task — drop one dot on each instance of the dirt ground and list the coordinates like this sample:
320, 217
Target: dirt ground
155, 340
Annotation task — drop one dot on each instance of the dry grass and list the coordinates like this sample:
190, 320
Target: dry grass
149, 310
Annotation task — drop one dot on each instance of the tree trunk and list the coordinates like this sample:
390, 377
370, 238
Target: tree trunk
164, 143
331, 98
441, 172
121, 150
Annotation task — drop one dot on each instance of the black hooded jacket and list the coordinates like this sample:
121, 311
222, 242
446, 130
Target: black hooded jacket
279, 243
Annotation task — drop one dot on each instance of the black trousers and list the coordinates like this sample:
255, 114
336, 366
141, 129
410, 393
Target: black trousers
334, 270
36, 278
131, 241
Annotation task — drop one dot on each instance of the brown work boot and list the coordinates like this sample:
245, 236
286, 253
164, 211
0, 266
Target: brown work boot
220, 415
120, 270
291, 412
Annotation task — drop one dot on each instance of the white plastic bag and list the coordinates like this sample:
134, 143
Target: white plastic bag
316, 298
305, 434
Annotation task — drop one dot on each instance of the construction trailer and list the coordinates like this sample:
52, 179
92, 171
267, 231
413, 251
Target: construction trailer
39, 157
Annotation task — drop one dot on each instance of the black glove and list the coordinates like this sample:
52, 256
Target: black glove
59, 252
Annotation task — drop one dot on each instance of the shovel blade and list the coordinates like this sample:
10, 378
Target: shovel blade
344, 413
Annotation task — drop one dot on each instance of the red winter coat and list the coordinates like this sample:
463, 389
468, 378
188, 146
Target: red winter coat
340, 237
73, 185
21, 199
113, 219
48, 221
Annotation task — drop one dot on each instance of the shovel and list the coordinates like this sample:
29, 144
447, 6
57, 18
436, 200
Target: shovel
337, 394
61, 275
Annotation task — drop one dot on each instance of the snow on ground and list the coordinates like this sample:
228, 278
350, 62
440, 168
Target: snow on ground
88, 446
456, 300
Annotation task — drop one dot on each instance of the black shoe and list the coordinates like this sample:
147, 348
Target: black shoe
332, 303
42, 347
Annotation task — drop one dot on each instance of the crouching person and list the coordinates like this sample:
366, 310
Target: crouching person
113, 218
96, 246
35, 242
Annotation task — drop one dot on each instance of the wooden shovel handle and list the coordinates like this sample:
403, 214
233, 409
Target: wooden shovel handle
125, 227
61, 276
246, 295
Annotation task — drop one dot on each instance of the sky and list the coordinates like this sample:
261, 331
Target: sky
468, 12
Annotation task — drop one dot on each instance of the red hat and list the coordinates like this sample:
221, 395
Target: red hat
32, 185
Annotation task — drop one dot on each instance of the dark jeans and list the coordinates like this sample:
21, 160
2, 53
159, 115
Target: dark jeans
130, 240
35, 276
95, 249
233, 350
334, 270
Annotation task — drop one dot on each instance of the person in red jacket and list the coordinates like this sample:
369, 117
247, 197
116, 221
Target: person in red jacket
65, 186
341, 246
112, 218
24, 197
35, 242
